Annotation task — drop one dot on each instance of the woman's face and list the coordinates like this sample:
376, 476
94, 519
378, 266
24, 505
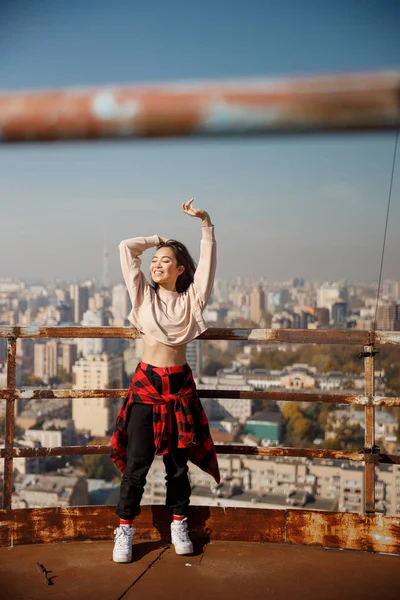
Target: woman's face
164, 269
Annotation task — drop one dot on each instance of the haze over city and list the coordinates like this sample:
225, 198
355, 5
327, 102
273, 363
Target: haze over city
310, 207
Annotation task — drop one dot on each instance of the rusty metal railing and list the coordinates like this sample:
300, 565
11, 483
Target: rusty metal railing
370, 455
328, 103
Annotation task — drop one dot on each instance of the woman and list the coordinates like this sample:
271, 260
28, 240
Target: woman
162, 413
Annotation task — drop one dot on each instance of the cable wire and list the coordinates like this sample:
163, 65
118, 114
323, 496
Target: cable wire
386, 227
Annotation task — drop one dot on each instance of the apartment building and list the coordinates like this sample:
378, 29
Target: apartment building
97, 371
289, 482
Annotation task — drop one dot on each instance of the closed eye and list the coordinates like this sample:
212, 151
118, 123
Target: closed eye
162, 258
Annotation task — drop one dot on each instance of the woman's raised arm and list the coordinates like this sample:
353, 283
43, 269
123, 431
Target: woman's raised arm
205, 272
130, 251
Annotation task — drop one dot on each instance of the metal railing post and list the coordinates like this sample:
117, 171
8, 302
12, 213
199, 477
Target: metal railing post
369, 440
10, 420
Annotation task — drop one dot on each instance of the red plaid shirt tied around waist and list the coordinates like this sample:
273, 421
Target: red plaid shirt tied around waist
191, 420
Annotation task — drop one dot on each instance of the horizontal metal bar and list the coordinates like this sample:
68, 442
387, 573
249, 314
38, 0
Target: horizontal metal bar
328, 103
221, 449
386, 337
291, 452
284, 396
287, 395
384, 401
288, 336
37, 332
61, 394
281, 396
56, 451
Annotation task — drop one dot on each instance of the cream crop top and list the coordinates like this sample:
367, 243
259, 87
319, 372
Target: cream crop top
171, 318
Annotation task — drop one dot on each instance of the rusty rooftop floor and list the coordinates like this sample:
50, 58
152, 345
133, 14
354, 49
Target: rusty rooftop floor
217, 570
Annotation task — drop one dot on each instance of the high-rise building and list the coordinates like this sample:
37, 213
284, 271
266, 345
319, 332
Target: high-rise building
68, 355
92, 318
64, 313
222, 290
298, 282
80, 297
120, 305
98, 371
322, 315
131, 359
277, 300
257, 303
391, 290
45, 360
388, 316
63, 296
339, 312
329, 293
194, 355
99, 301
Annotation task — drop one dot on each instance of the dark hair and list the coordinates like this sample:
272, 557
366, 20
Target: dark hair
183, 257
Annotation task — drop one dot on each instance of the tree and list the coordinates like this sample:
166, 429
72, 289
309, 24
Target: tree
300, 430
291, 411
99, 466
347, 436
302, 427
28, 378
62, 377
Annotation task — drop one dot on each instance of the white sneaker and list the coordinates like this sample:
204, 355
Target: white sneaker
180, 537
122, 552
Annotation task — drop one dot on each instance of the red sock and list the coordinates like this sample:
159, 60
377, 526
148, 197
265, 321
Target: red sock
178, 517
125, 522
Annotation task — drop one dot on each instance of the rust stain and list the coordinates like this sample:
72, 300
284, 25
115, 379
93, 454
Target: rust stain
344, 530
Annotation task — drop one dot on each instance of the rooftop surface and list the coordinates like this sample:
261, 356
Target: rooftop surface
215, 571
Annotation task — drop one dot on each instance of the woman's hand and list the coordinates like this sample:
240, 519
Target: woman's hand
192, 211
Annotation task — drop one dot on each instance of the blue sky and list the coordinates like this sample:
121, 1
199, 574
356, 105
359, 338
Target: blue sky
310, 207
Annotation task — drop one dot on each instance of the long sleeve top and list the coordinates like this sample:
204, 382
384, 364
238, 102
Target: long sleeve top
172, 318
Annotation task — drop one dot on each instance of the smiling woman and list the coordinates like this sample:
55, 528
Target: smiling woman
172, 267
162, 413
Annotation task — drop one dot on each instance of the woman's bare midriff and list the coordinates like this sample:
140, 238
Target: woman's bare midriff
160, 355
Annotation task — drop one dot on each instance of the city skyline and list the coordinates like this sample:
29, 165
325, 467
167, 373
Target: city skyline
309, 207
